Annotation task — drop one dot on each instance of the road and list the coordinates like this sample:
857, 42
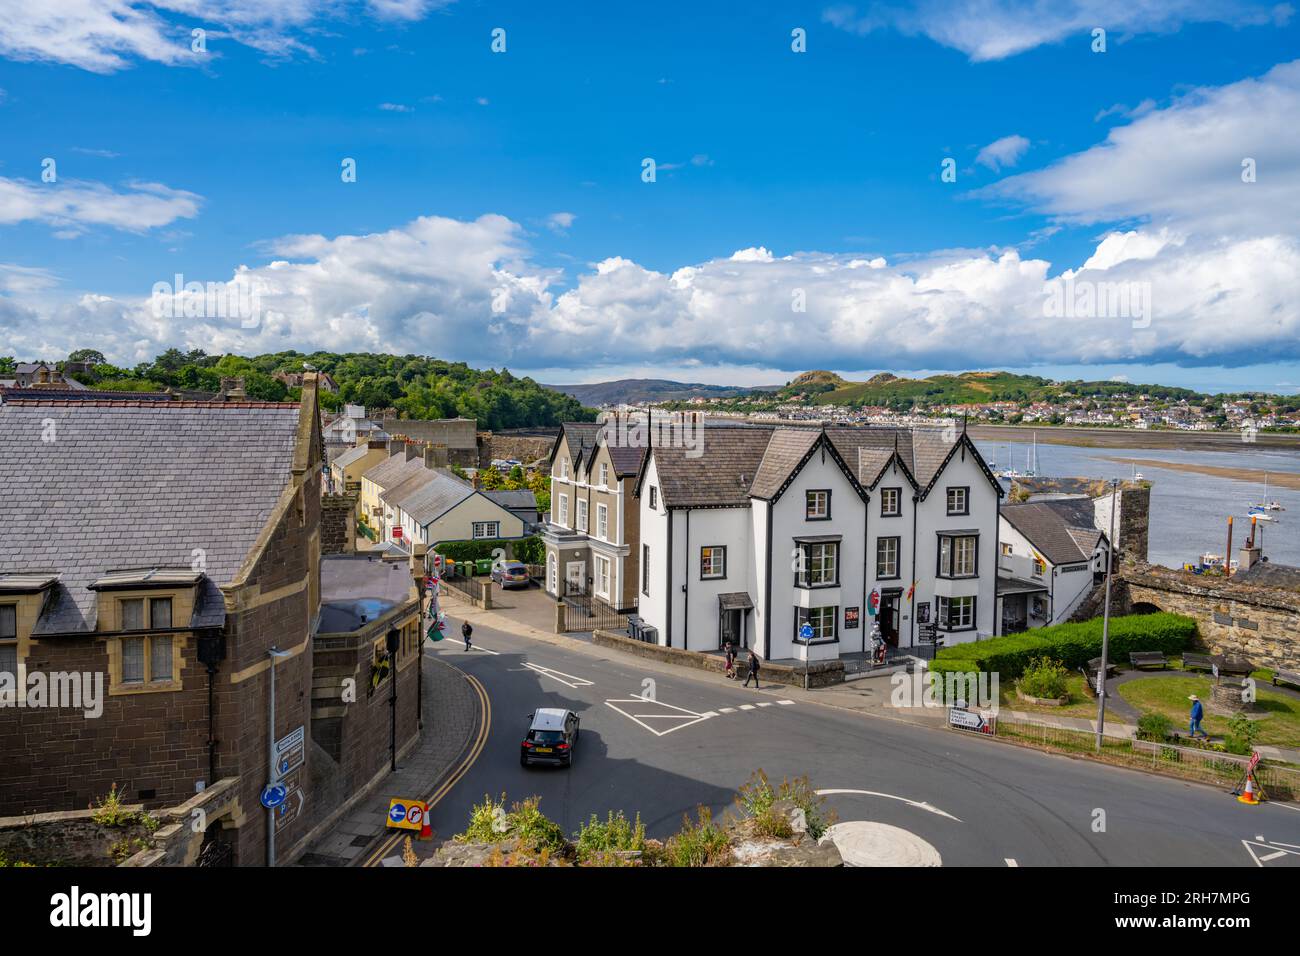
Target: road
977, 802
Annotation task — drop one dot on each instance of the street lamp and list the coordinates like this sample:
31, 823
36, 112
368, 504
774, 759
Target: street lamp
274, 654
1105, 619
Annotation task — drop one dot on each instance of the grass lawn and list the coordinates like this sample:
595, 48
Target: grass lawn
1080, 705
1168, 696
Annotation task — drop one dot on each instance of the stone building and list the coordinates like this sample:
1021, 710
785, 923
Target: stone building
168, 548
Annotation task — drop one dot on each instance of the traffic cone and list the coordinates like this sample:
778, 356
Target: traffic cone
426, 832
1248, 796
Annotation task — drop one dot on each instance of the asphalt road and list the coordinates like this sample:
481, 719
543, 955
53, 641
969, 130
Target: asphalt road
977, 802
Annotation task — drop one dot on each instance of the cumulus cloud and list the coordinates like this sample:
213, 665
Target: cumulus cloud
996, 29
1182, 165
559, 222
72, 205
1002, 152
104, 36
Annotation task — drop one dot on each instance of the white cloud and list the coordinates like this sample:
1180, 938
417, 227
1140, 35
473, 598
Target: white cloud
1003, 152
73, 204
560, 222
1182, 166
995, 29
396, 108
104, 36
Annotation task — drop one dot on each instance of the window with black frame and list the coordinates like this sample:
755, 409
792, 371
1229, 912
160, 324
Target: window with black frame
822, 620
958, 555
818, 565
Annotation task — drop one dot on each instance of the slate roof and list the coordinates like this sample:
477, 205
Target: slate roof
1046, 529
428, 494
786, 447
1270, 575
352, 455
393, 469
581, 436
626, 459
722, 476
518, 500
130, 484
45, 393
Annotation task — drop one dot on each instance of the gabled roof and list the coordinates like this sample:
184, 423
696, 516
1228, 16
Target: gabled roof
517, 500
786, 449
1048, 531
581, 437
720, 477
428, 494
354, 454
393, 469
124, 484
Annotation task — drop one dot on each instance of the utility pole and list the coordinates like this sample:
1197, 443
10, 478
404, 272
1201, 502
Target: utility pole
1105, 620
394, 642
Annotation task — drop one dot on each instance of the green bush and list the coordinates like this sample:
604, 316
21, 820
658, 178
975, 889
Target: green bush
1155, 727
702, 843
1072, 644
598, 840
529, 550
1044, 677
525, 824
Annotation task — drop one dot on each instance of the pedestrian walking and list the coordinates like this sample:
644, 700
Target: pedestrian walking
753, 670
465, 632
730, 651
1198, 712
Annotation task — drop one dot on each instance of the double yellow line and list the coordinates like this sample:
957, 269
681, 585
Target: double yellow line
476, 748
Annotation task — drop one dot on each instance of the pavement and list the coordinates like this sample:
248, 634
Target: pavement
453, 713
660, 740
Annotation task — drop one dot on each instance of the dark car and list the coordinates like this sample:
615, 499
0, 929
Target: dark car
551, 738
511, 574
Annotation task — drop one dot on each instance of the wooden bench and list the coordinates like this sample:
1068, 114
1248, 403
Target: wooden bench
1089, 673
1198, 662
1286, 677
1242, 666
1148, 659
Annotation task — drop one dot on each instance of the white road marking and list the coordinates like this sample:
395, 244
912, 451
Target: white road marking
889, 796
563, 678
1276, 854
684, 717
784, 703
1011, 862
746, 706
726, 710
709, 713
766, 703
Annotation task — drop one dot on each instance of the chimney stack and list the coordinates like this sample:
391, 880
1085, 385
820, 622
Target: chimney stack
412, 451
435, 456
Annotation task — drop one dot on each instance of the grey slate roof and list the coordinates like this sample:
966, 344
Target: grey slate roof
721, 476
352, 455
128, 484
1271, 575
521, 500
1047, 531
785, 449
428, 494
387, 473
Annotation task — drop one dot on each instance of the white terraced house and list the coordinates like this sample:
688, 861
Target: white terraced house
773, 527
1051, 557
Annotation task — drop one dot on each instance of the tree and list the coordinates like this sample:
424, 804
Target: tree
89, 356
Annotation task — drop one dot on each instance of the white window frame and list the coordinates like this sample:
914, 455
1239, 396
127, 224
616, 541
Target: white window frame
604, 474
493, 529
602, 522
716, 568
604, 577
563, 517
580, 515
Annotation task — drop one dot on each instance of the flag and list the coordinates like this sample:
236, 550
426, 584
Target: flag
1254, 762
911, 591
435, 631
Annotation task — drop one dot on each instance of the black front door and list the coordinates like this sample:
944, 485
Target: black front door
730, 628
888, 615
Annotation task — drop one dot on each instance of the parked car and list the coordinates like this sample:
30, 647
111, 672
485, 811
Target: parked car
551, 738
511, 574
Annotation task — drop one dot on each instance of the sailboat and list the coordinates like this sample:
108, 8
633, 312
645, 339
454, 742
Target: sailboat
1031, 460
1010, 473
1261, 510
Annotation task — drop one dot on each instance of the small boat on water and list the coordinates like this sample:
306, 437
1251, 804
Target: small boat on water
1210, 563
1259, 513
1274, 506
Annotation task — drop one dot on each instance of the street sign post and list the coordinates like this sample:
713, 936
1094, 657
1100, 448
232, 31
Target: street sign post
406, 814
291, 752
274, 794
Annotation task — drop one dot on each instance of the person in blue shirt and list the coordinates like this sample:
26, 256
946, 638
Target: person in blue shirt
1198, 712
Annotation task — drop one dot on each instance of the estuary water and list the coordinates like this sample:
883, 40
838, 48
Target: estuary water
1189, 511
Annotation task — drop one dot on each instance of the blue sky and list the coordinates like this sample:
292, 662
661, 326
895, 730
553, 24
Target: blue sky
499, 213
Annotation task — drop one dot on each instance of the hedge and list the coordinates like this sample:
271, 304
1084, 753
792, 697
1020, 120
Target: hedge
523, 549
1072, 644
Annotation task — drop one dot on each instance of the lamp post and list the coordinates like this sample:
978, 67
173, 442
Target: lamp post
1105, 619
274, 654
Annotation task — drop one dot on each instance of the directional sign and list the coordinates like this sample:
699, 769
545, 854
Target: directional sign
294, 800
291, 752
406, 814
273, 794
967, 720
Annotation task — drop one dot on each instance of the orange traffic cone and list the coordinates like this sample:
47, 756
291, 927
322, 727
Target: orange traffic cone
426, 831
1248, 796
